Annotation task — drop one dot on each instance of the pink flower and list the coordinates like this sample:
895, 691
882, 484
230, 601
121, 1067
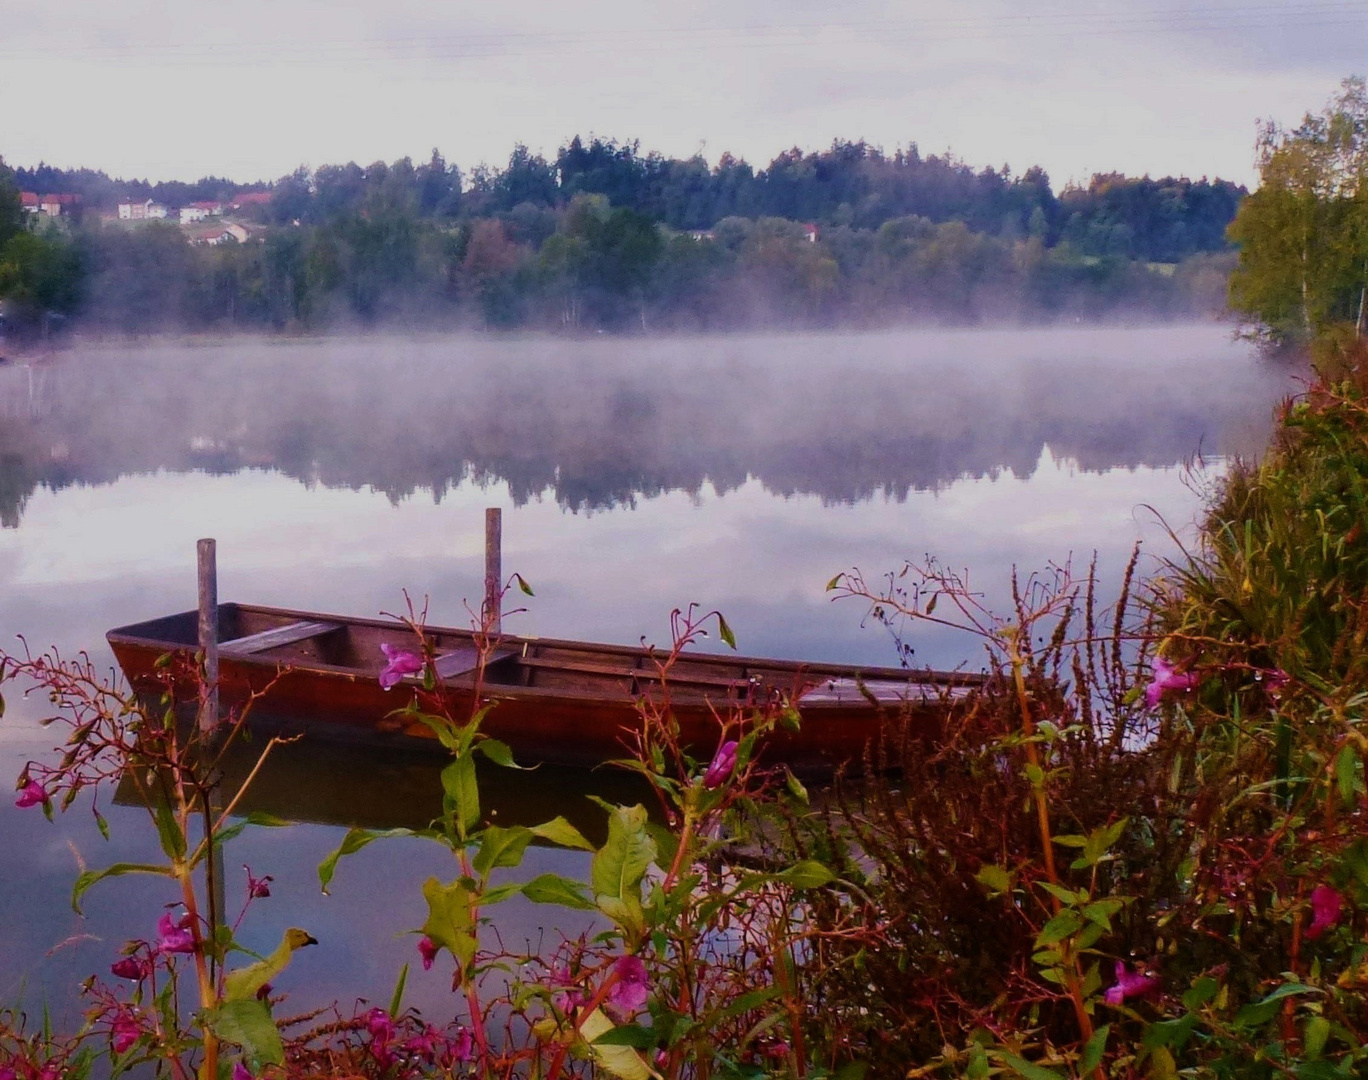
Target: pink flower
722, 765
631, 987
380, 1025
1274, 680
132, 967
241, 1072
462, 1047
426, 1044
124, 1030
174, 936
401, 662
1325, 910
567, 996
1130, 984
428, 950
32, 794
1167, 679
258, 888
382, 1031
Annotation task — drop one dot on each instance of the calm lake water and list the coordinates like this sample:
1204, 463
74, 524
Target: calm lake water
635, 476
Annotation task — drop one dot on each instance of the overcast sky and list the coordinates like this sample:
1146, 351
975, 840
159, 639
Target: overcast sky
253, 89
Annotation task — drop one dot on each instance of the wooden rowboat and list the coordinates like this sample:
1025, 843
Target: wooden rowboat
568, 702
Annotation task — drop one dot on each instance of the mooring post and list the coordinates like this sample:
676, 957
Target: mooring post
208, 632
493, 603
207, 567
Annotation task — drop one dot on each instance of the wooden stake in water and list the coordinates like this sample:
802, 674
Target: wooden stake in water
493, 603
208, 632
207, 566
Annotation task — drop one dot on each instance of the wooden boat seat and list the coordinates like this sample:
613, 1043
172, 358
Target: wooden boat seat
288, 634
646, 674
466, 658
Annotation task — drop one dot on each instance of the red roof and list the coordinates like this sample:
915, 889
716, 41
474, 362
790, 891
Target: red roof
28, 198
252, 198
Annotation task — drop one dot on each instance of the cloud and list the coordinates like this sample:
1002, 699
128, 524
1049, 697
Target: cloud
254, 89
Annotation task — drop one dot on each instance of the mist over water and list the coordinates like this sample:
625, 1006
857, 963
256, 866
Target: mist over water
636, 474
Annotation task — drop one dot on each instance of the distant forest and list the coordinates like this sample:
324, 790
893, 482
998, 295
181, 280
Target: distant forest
606, 237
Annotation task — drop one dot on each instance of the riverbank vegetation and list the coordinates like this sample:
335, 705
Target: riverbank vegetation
606, 237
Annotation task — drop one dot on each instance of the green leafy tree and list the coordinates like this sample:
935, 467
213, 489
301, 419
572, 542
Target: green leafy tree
1303, 235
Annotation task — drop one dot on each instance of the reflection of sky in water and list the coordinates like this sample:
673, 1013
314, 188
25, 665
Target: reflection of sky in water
107, 530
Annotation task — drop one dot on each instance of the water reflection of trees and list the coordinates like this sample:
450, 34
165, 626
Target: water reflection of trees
601, 424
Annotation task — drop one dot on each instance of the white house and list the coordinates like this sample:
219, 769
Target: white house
141, 211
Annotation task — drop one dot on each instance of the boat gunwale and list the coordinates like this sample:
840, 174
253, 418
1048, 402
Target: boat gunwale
929, 680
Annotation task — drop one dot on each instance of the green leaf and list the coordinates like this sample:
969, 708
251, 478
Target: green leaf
618, 867
620, 1061
1202, 991
1057, 929
90, 877
497, 752
559, 831
353, 842
462, 791
1260, 1012
2, 697
633, 1035
523, 585
1063, 895
101, 823
500, 847
995, 879
1093, 1050
1071, 840
1346, 770
267, 821
397, 998
807, 874
1101, 911
725, 631
450, 922
795, 787
169, 831
834, 582
554, 889
248, 1024
499, 893
749, 1002
1027, 1069
1174, 1033
1317, 1034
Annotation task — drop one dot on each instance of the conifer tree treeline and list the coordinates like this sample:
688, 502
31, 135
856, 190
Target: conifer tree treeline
604, 235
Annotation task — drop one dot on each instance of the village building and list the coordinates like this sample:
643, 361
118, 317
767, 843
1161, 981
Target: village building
141, 211
198, 211
53, 204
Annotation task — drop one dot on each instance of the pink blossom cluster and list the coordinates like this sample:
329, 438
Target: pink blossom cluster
427, 1045
1167, 681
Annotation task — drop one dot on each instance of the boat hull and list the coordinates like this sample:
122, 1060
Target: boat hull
584, 711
